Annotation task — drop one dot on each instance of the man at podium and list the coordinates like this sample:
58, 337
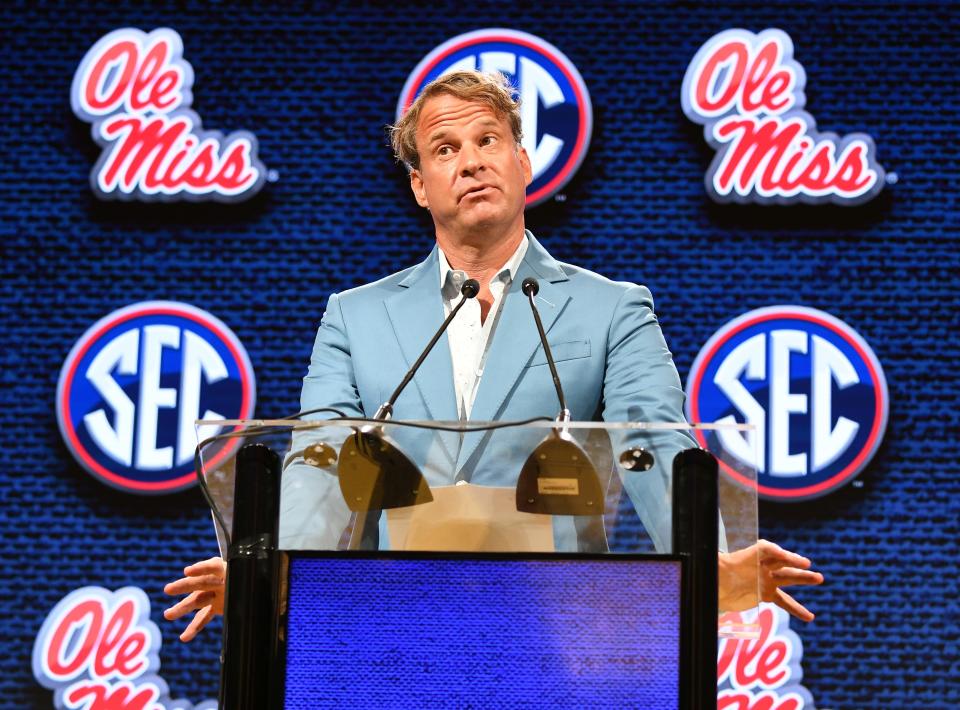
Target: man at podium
460, 141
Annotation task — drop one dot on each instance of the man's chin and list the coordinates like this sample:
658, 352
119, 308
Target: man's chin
485, 212
484, 222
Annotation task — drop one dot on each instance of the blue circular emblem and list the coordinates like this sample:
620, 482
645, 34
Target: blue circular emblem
133, 385
555, 109
811, 387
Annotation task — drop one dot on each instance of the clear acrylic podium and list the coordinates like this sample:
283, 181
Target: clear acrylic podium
457, 564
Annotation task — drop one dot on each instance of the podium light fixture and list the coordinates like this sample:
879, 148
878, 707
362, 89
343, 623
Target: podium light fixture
375, 474
636, 458
558, 478
320, 455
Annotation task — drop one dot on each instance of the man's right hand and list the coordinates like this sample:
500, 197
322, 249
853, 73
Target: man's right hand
204, 584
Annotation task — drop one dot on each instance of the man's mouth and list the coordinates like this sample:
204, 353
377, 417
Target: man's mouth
477, 189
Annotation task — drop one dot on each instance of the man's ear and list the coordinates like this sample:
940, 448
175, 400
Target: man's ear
416, 184
525, 163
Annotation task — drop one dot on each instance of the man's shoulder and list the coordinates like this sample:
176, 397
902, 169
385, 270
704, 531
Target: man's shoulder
377, 290
602, 287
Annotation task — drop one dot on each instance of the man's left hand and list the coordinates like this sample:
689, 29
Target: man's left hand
775, 567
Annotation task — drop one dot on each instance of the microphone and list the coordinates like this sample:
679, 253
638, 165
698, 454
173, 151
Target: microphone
558, 478
470, 289
374, 473
531, 288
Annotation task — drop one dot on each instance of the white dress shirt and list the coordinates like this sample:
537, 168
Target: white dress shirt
469, 338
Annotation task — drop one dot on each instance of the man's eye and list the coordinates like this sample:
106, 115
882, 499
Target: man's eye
444, 150
488, 140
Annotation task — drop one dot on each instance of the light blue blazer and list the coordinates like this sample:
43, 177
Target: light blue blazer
611, 358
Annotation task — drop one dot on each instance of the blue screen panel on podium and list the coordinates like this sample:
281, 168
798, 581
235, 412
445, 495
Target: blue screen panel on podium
444, 631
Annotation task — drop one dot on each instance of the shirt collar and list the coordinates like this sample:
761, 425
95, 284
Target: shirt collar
452, 279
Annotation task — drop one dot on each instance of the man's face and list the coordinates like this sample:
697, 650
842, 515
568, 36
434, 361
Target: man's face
473, 177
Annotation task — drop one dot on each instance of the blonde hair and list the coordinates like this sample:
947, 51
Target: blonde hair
490, 89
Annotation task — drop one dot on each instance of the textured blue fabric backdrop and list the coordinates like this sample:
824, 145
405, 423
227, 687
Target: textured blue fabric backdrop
316, 87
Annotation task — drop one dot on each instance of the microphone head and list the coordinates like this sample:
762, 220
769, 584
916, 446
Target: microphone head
530, 286
470, 288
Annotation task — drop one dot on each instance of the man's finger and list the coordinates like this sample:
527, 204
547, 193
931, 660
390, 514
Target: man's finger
777, 564
792, 606
788, 576
201, 619
215, 565
186, 585
774, 556
196, 600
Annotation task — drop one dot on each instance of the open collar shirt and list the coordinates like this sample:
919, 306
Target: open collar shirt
469, 338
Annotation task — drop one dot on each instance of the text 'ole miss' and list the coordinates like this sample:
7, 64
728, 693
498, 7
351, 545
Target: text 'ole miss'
747, 91
135, 88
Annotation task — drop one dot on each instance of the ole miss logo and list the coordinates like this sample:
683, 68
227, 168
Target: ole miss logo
763, 672
133, 385
810, 386
555, 109
747, 91
99, 650
135, 90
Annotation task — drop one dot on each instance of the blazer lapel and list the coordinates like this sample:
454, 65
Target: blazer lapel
516, 339
415, 313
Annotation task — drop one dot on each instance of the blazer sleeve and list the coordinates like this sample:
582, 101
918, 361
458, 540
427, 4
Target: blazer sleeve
641, 384
313, 514
330, 379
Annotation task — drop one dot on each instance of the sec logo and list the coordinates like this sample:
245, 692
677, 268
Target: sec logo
811, 387
132, 386
555, 108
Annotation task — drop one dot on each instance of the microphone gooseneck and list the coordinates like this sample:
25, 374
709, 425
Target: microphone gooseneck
531, 288
558, 477
373, 471
469, 289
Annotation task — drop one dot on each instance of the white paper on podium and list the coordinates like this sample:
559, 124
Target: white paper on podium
469, 518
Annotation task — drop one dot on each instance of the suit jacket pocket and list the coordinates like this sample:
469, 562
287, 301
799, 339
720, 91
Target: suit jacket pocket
569, 350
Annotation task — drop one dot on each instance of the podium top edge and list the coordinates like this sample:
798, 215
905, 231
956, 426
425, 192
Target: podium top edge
468, 425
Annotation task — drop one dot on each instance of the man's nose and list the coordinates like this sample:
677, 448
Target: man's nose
471, 159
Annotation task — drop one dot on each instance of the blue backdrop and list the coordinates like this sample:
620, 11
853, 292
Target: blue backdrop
316, 87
